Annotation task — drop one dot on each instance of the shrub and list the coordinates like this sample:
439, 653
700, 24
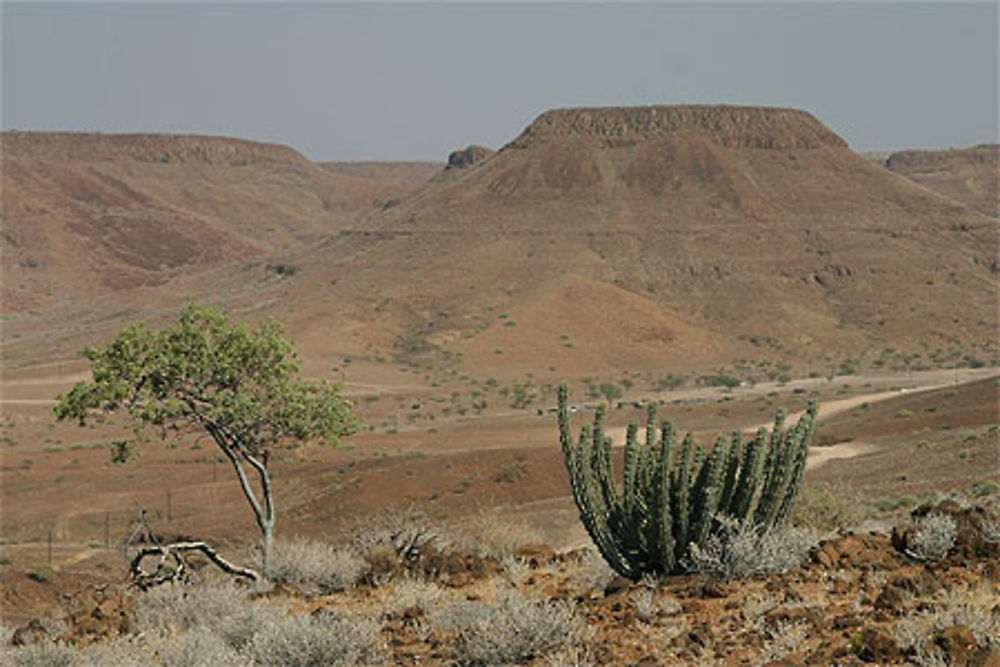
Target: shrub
933, 537
648, 607
972, 609
592, 574
610, 391
190, 649
220, 608
828, 507
197, 648
412, 594
672, 500
985, 488
669, 382
490, 536
511, 630
317, 641
39, 654
741, 549
315, 568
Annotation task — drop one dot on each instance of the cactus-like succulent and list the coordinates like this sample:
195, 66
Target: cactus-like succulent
671, 499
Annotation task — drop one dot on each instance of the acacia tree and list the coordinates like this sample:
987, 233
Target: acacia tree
242, 387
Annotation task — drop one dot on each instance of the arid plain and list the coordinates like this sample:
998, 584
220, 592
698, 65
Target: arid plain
723, 262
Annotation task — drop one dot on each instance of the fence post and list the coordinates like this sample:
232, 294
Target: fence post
50, 547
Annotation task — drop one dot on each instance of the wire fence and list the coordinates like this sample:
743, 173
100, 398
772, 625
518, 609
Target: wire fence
65, 541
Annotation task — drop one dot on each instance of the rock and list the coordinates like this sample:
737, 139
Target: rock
872, 550
617, 585
959, 645
893, 598
876, 646
33, 632
468, 156
970, 540
458, 580
536, 555
716, 589
845, 621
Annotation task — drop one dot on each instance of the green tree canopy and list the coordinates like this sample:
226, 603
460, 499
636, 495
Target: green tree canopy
241, 386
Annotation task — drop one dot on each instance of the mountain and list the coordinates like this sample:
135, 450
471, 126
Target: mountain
967, 175
657, 236
607, 240
90, 214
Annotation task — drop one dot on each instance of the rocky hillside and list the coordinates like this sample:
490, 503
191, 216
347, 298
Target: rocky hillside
860, 597
967, 175
715, 226
88, 214
598, 240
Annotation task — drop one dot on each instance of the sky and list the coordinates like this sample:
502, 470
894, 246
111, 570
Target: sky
414, 81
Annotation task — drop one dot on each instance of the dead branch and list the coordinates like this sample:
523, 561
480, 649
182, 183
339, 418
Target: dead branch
176, 551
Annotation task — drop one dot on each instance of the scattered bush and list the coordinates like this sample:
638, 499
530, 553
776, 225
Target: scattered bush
669, 382
648, 607
413, 594
489, 536
39, 654
511, 630
197, 648
985, 488
972, 609
740, 550
827, 507
610, 391
933, 538
315, 568
317, 641
593, 573
220, 608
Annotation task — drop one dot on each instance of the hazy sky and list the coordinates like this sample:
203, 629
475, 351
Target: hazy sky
414, 81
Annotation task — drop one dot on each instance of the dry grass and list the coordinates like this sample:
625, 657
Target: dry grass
318, 641
933, 537
739, 550
972, 609
315, 568
511, 629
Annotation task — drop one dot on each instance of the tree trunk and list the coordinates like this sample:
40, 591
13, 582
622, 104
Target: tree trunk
266, 545
263, 515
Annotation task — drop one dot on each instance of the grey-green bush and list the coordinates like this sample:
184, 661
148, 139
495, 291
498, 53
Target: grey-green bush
511, 630
318, 641
739, 550
315, 568
672, 499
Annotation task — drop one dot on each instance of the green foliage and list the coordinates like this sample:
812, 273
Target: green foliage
242, 387
211, 374
721, 380
673, 499
610, 391
669, 382
121, 451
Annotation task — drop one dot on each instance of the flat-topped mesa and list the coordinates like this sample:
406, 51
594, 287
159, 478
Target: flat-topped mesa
163, 148
729, 126
983, 154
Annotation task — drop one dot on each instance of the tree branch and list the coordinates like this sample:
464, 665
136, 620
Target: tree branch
265, 483
176, 550
222, 442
